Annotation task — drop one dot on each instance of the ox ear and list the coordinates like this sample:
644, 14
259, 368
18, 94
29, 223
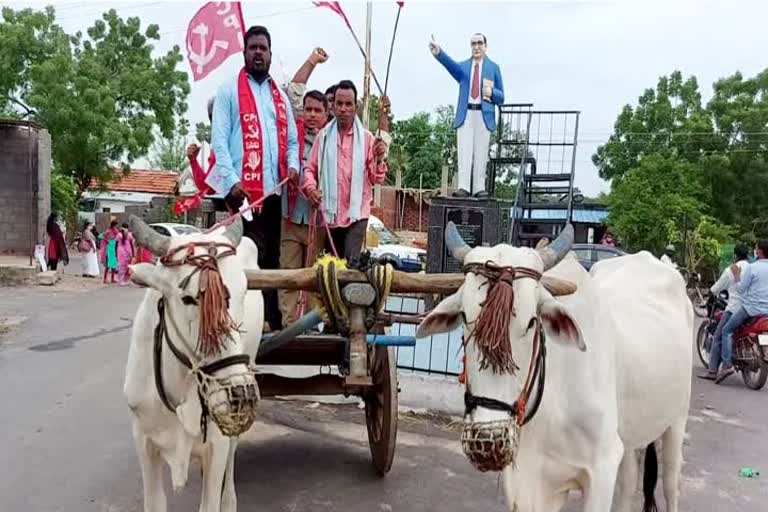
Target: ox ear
444, 318
149, 275
559, 323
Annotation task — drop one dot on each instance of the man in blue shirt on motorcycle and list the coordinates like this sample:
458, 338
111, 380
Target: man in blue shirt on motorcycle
753, 288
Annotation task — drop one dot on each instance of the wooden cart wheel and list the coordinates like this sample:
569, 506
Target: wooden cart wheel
381, 408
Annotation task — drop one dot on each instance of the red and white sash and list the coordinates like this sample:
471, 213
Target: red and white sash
253, 145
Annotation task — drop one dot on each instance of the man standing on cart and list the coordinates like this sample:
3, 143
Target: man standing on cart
254, 137
345, 162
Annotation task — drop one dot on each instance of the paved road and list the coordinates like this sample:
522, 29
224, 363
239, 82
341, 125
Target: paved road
67, 445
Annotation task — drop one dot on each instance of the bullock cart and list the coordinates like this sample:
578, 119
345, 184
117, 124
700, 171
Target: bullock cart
350, 304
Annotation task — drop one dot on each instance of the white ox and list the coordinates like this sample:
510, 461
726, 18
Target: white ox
174, 437
618, 369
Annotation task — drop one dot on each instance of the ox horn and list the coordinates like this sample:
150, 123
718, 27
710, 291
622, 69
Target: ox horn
553, 253
454, 243
147, 237
234, 231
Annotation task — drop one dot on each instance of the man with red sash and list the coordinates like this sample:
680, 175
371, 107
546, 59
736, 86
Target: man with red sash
254, 138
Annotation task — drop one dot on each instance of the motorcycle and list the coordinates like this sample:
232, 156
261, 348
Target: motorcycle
750, 343
693, 288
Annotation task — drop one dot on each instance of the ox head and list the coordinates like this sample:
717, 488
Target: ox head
507, 307
203, 286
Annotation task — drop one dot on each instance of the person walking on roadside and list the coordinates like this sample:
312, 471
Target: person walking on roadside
125, 252
57, 247
89, 251
109, 251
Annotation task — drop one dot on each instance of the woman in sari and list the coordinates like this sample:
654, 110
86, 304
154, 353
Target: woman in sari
88, 249
109, 251
124, 254
57, 247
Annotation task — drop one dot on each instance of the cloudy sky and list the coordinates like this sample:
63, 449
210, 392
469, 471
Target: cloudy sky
592, 56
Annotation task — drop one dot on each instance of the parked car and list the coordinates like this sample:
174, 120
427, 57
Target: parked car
589, 254
172, 229
386, 246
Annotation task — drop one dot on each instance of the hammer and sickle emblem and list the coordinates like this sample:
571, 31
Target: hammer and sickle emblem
205, 55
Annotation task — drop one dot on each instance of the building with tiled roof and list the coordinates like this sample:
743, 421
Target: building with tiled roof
135, 188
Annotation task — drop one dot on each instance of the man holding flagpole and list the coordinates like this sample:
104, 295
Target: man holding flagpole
254, 137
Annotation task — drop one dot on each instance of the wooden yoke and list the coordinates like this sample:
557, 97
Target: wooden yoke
402, 282
306, 279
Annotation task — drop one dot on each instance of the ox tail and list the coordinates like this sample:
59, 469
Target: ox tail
650, 477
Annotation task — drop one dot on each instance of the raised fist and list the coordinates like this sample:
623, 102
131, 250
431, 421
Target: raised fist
318, 56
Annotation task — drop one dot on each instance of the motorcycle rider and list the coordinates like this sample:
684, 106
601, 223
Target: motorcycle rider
728, 282
753, 289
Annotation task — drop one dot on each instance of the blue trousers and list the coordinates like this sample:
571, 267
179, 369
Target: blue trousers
733, 323
717, 339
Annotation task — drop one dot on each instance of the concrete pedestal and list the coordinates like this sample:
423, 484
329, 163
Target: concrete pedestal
480, 222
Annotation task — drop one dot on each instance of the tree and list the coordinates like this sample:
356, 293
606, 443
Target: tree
422, 144
203, 132
170, 153
738, 175
64, 197
669, 120
658, 190
100, 97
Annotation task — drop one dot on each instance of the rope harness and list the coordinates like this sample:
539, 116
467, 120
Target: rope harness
335, 308
491, 446
229, 400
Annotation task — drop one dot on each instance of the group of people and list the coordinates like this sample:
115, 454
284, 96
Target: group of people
747, 286
305, 155
115, 249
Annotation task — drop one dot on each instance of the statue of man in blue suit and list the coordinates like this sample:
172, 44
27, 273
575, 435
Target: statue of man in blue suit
480, 90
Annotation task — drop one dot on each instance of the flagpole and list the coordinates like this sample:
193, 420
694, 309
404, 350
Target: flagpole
367, 69
365, 56
392, 48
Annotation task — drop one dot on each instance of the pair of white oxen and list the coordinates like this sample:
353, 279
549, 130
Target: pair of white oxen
618, 369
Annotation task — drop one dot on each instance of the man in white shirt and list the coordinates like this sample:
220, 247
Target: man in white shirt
728, 282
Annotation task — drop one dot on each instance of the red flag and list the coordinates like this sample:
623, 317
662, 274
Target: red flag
214, 33
401, 4
335, 7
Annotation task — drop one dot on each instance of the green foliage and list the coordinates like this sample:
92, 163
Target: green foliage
64, 196
421, 145
203, 132
688, 173
169, 215
170, 154
659, 190
668, 121
100, 96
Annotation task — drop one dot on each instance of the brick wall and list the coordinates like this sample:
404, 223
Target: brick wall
395, 216
25, 186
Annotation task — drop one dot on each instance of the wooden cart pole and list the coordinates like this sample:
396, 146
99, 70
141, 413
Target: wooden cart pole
305, 279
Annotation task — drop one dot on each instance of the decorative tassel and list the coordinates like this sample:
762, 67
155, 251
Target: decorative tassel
215, 322
491, 331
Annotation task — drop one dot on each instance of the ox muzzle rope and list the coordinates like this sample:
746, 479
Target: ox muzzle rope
230, 400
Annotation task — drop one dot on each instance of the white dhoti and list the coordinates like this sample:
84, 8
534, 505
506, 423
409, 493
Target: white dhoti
473, 139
